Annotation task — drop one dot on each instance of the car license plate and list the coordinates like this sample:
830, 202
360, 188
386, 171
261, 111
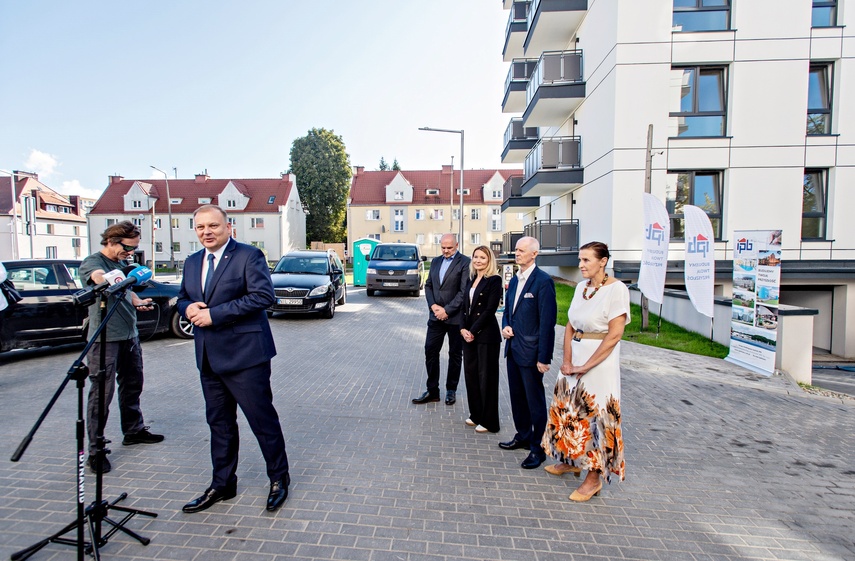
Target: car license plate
392, 284
289, 301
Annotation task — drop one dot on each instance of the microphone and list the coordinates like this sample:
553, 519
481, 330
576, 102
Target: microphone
137, 275
87, 295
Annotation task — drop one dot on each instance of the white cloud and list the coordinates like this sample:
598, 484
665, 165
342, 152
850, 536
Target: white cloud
74, 187
41, 162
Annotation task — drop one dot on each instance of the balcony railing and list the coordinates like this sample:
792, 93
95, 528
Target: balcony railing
509, 241
555, 235
554, 153
519, 15
516, 131
512, 187
555, 68
520, 71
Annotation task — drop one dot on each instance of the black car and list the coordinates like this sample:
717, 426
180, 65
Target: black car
47, 316
309, 282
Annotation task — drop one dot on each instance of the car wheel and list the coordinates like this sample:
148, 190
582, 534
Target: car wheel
343, 299
180, 327
330, 311
369, 291
416, 293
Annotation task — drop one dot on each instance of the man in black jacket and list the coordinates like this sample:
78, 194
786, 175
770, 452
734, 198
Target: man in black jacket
444, 292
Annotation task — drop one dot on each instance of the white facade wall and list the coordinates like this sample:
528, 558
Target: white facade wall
35, 245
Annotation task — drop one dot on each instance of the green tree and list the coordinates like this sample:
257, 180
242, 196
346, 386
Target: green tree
383, 165
396, 166
322, 167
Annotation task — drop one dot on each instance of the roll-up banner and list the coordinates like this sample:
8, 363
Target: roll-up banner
700, 259
654, 249
756, 289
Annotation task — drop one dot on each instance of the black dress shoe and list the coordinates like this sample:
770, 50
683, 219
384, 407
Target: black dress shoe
533, 460
513, 444
426, 397
278, 492
450, 397
208, 499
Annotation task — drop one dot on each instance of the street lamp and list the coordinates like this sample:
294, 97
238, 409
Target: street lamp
169, 213
13, 225
460, 132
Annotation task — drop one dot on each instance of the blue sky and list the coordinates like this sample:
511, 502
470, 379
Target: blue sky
107, 87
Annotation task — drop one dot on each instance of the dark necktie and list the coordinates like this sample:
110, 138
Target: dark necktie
210, 275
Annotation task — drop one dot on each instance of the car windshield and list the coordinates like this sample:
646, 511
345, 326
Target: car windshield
302, 265
393, 253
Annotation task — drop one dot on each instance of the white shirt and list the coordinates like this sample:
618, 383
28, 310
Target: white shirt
218, 255
522, 278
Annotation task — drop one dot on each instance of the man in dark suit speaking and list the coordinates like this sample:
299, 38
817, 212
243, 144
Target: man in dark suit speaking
444, 292
528, 326
225, 293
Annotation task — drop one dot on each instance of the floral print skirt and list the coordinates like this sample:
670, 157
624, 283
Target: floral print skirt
583, 434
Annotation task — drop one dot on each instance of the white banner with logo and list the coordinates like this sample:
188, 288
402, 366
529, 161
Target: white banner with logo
700, 261
756, 289
654, 249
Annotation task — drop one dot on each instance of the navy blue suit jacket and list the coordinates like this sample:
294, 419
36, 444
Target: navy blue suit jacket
533, 319
449, 292
238, 298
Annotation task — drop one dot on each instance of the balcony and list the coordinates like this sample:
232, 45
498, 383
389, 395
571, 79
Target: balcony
553, 167
555, 235
516, 83
509, 241
512, 198
515, 31
519, 141
552, 24
555, 89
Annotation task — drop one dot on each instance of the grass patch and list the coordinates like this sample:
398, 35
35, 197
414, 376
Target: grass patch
670, 336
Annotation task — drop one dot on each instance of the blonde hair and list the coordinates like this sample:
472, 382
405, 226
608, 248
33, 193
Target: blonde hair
492, 267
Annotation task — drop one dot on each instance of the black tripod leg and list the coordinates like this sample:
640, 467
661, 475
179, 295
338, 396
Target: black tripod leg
25, 553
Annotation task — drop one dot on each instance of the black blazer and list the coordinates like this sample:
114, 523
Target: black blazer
479, 313
449, 292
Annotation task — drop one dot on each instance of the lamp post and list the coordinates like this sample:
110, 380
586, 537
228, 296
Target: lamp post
169, 213
13, 225
460, 132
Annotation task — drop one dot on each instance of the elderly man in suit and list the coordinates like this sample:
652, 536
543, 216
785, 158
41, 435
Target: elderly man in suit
444, 291
225, 293
528, 326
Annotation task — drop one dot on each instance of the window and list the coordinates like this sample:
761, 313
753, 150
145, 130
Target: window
49, 229
175, 201
256, 222
137, 204
175, 225
50, 253
455, 214
259, 245
233, 222
76, 230
137, 221
158, 247
157, 224
398, 225
497, 193
194, 246
436, 214
437, 239
374, 237
824, 13
231, 203
702, 107
271, 199
698, 188
111, 221
372, 214
475, 238
814, 200
420, 214
465, 192
204, 200
420, 239
398, 196
176, 247
51, 208
819, 99
431, 191
190, 221
475, 214
496, 220
701, 15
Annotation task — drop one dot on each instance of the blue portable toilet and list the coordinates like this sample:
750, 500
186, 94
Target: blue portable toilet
362, 250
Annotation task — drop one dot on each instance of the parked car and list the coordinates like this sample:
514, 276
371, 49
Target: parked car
309, 281
395, 266
47, 316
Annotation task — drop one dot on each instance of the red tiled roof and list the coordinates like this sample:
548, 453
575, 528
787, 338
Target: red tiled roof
369, 187
45, 194
189, 190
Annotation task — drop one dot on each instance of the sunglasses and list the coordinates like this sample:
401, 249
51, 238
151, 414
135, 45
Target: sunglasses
128, 247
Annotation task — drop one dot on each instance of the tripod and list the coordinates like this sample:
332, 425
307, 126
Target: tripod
88, 517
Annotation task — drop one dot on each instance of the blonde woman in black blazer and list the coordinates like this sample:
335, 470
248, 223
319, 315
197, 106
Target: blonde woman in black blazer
482, 340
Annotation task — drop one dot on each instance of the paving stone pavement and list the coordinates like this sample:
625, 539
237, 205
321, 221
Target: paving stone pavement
722, 464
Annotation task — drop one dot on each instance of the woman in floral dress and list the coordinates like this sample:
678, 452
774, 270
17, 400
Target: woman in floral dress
583, 430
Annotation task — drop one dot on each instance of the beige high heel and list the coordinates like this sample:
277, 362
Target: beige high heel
562, 468
580, 498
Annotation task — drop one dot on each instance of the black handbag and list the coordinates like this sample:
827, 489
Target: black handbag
10, 292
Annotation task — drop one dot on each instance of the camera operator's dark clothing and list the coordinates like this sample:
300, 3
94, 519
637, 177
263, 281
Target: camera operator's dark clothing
123, 324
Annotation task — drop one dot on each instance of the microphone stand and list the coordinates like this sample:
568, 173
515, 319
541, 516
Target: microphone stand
93, 515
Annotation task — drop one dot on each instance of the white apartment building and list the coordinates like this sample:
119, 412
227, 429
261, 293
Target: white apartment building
750, 103
36, 222
266, 213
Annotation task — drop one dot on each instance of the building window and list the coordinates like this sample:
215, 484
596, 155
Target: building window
190, 220
204, 200
231, 203
111, 221
374, 237
176, 247
465, 192
475, 238
701, 15
49, 229
819, 99
157, 224
50, 252
194, 246
271, 199
420, 214
455, 214
475, 214
175, 224
702, 101
436, 214
259, 245
137, 204
137, 221
698, 188
814, 201
398, 224
496, 220
372, 214
437, 239
76, 230
175, 201
824, 13
420, 239
158, 247
256, 222
398, 195
497, 193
